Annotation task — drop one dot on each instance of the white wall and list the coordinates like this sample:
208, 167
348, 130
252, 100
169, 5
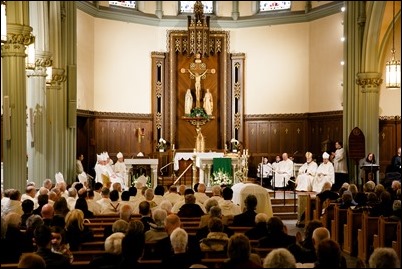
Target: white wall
291, 68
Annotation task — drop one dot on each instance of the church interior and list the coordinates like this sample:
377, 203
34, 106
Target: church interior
174, 86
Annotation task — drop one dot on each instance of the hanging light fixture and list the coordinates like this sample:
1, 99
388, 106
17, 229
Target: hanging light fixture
3, 22
393, 67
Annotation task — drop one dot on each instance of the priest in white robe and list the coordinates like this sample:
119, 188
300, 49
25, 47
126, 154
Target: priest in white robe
120, 168
283, 172
306, 174
325, 173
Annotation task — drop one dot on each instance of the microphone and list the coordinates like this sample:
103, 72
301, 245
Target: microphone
295, 152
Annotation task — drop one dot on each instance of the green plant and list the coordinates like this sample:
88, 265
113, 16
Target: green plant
198, 112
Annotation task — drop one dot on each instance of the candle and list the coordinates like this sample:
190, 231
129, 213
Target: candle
172, 146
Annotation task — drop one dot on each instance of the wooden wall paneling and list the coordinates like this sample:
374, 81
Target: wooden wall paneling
298, 139
275, 138
125, 138
102, 133
263, 137
387, 138
91, 146
133, 145
314, 147
82, 139
251, 136
286, 137
114, 138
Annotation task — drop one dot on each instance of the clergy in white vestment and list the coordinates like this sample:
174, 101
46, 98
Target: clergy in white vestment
306, 173
120, 168
325, 172
283, 172
99, 167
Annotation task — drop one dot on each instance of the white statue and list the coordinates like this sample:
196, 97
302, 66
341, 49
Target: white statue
208, 102
188, 104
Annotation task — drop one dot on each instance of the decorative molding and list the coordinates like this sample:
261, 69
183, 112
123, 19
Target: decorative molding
252, 117
370, 82
22, 39
390, 118
113, 115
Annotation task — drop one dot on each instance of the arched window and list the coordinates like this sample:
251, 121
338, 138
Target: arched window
188, 7
129, 4
274, 5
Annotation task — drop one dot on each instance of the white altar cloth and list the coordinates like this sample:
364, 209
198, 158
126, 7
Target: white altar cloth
199, 156
241, 190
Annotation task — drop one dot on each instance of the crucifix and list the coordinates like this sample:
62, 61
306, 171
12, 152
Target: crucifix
198, 71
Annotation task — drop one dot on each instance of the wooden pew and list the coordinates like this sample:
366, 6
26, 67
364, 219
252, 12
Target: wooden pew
396, 245
75, 264
95, 245
209, 262
262, 252
86, 255
102, 225
240, 229
328, 214
310, 209
353, 223
386, 233
365, 236
317, 211
340, 216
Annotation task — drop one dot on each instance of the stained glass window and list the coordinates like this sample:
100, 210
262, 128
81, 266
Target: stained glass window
188, 7
129, 4
274, 5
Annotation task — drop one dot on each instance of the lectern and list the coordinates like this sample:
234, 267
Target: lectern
370, 172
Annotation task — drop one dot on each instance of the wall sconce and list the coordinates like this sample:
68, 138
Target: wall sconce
393, 67
3, 22
140, 134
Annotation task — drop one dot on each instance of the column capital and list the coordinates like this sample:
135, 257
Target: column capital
58, 77
370, 81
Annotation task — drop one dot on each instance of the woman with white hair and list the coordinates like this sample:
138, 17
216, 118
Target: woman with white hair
325, 173
180, 258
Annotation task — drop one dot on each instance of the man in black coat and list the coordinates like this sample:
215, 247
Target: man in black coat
247, 218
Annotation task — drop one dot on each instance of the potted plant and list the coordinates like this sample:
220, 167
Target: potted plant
198, 112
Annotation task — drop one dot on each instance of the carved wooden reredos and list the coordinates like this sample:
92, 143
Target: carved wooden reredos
170, 81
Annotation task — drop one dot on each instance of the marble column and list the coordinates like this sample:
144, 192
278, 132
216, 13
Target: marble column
19, 36
370, 83
235, 10
36, 93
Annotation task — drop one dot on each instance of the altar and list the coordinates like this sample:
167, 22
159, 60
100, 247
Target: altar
153, 163
203, 162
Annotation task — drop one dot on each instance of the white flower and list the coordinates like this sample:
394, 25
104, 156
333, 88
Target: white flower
161, 140
221, 178
235, 141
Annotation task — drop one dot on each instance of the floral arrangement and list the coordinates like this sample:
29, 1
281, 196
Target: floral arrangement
161, 144
148, 184
221, 178
198, 112
235, 144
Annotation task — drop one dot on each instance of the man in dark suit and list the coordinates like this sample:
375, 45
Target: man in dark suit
247, 218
